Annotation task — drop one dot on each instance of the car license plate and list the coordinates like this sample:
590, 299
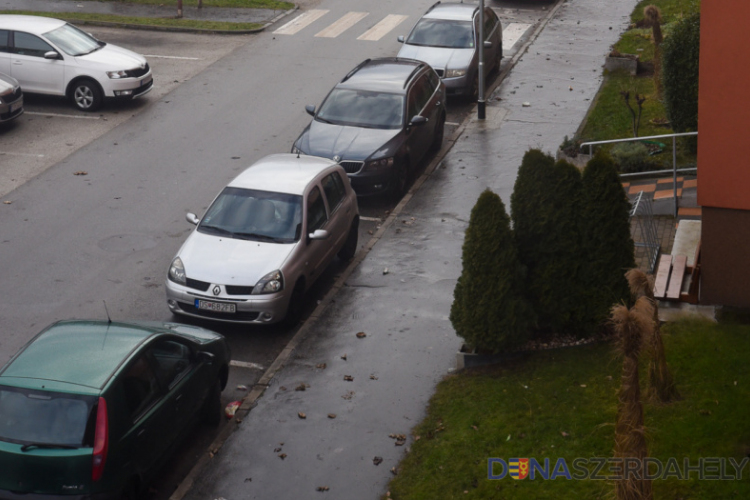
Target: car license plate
146, 81
219, 307
15, 106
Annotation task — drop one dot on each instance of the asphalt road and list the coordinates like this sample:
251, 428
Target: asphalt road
70, 242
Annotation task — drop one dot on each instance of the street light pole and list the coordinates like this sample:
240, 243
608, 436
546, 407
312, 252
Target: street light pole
480, 105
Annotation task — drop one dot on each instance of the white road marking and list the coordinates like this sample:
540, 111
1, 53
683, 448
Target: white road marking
246, 364
453, 124
60, 115
3, 153
382, 28
369, 219
174, 57
344, 23
512, 32
301, 21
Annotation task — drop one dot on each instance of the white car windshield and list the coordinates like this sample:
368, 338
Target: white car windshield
254, 215
440, 33
362, 108
73, 41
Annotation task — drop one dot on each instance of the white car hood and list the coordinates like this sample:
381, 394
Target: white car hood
227, 261
439, 57
114, 57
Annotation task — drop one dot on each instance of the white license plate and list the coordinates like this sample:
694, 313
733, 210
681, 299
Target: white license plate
219, 307
15, 106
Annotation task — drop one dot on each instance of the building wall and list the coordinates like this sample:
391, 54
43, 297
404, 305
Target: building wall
723, 152
724, 105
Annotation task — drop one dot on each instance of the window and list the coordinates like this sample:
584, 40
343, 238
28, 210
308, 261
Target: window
140, 387
30, 45
362, 108
490, 21
433, 79
172, 361
334, 189
316, 211
419, 95
4, 41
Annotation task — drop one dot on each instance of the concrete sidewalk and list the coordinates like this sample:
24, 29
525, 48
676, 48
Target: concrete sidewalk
236, 15
329, 411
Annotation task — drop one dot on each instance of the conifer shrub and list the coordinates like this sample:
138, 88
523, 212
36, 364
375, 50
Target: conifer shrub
680, 53
490, 311
608, 244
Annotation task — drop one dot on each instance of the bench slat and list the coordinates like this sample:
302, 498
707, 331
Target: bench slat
678, 273
662, 276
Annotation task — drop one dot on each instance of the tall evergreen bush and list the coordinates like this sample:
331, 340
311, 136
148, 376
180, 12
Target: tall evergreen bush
608, 245
490, 311
680, 58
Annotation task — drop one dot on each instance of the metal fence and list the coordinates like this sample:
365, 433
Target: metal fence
645, 233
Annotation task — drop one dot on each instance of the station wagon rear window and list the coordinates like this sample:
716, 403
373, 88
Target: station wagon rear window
43, 418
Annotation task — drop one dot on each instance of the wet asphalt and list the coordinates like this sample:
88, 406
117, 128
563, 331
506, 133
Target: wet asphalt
401, 292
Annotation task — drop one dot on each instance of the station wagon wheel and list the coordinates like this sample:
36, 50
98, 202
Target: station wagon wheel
437, 141
400, 178
86, 95
212, 406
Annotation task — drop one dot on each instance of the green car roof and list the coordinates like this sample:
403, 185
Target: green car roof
83, 353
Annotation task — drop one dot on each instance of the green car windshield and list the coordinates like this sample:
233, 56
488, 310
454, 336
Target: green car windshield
44, 418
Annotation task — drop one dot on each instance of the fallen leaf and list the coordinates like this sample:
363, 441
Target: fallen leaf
331, 415
373, 377
322, 366
348, 378
276, 450
377, 460
282, 456
385, 271
361, 335
322, 488
241, 387
303, 386
565, 434
583, 385
343, 357
301, 415
8, 202
394, 471
475, 427
81, 172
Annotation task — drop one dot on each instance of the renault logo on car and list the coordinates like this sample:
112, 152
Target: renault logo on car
217, 290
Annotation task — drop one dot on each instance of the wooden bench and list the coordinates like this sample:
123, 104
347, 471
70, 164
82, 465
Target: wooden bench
670, 274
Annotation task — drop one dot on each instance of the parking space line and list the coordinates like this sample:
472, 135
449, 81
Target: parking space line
300, 22
452, 124
3, 153
382, 28
174, 57
369, 219
344, 23
246, 364
512, 32
61, 115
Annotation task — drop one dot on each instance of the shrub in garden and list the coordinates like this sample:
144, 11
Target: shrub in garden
546, 214
490, 311
632, 157
606, 237
680, 52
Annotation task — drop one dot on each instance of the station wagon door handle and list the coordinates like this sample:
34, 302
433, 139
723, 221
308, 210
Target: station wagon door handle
178, 398
438, 103
141, 433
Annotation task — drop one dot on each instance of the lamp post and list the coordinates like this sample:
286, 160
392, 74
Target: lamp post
480, 105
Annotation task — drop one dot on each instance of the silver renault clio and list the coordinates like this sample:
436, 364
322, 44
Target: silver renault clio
264, 240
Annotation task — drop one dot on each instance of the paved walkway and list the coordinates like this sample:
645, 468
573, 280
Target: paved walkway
236, 15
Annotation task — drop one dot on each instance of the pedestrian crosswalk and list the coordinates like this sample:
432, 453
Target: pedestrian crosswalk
512, 32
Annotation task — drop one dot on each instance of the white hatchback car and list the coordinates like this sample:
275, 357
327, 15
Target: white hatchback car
264, 240
49, 56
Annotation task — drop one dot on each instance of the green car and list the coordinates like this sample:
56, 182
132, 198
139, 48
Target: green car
92, 409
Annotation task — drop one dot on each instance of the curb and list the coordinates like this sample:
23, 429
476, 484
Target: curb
173, 29
251, 399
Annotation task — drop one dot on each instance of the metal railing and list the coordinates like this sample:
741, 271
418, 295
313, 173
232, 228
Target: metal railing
650, 137
645, 223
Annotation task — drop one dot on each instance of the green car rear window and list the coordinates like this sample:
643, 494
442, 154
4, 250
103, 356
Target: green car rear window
46, 418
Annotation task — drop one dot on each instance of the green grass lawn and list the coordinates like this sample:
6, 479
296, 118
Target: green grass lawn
523, 409
143, 21
609, 118
249, 4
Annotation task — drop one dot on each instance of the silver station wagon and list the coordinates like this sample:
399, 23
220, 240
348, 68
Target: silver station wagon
264, 240
447, 37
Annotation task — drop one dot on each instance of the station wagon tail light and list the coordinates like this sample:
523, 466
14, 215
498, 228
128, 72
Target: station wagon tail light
101, 440
270, 283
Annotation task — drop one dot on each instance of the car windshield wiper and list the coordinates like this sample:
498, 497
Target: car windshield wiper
323, 120
50, 446
216, 229
256, 236
102, 44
